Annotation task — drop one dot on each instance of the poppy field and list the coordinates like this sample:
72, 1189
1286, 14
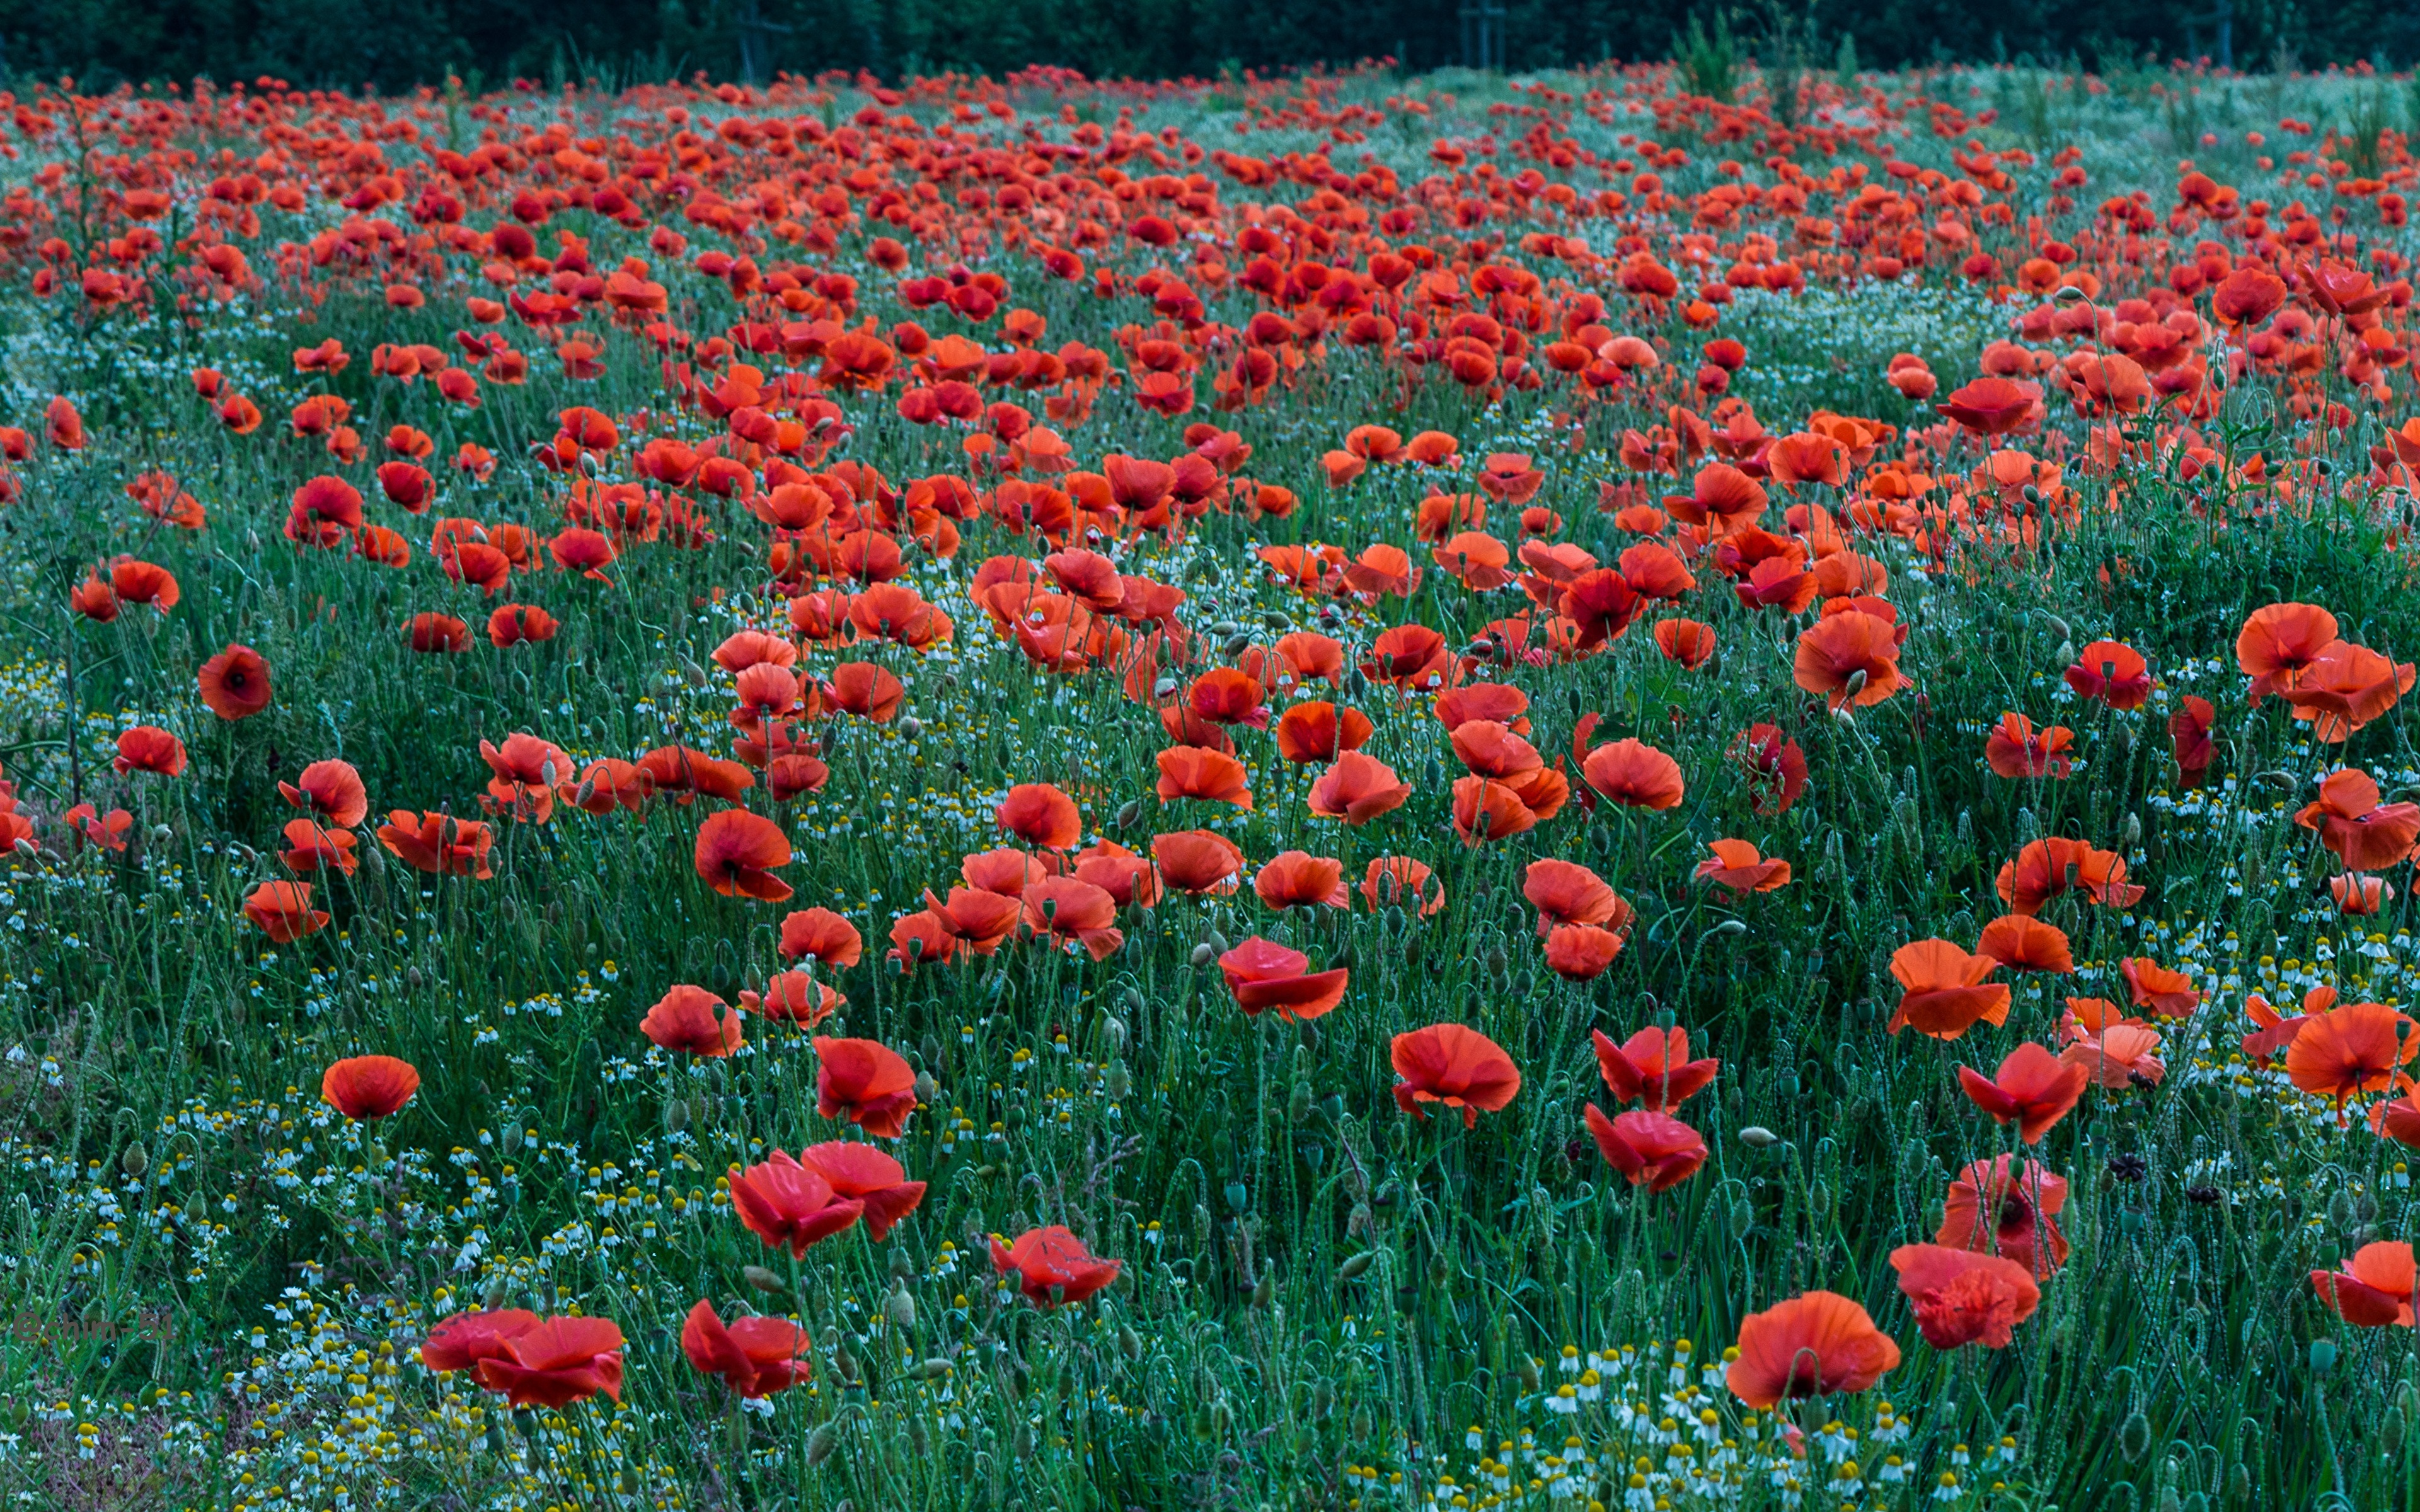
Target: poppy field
1342, 791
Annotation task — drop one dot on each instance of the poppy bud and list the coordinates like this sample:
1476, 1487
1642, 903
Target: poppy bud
1356, 1266
911, 727
498, 1289
1265, 1291
1530, 1377
2068, 294
1756, 1137
2065, 651
2133, 830
512, 1131
821, 1442
1204, 955
764, 1280
135, 1161
900, 1308
928, 1090
695, 673
933, 1369
675, 1117
1129, 1342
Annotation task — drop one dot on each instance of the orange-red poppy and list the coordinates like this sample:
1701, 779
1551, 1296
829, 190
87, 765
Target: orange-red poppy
737, 853
2373, 1289
369, 1086
1652, 1068
1265, 974
2010, 1207
1960, 1297
235, 682
865, 1081
2345, 1051
1852, 659
691, 1019
1040, 814
283, 911
1297, 879
2015, 749
1739, 868
2111, 672
2032, 1088
2024, 944
1195, 772
821, 935
1651, 1150
1944, 990
1455, 1066
1634, 775
1052, 1266
756, 1356
1817, 1344
1398, 881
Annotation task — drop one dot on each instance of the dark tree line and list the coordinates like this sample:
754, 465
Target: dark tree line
397, 43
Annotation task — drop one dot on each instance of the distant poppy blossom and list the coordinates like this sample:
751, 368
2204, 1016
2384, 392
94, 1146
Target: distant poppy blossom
2032, 1088
1816, 1344
1652, 1068
369, 1086
1960, 1297
1052, 1265
691, 1019
148, 748
1455, 1066
235, 682
1265, 974
737, 853
756, 1356
865, 1081
283, 911
1944, 991
1651, 1150
561, 1361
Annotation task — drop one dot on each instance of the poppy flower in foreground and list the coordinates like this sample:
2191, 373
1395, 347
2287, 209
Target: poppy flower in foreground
1265, 975
2015, 749
1961, 1298
1198, 772
1052, 1265
463, 1340
1739, 868
2112, 672
283, 911
1812, 1345
1298, 879
822, 934
1041, 815
754, 1356
561, 1361
1945, 993
694, 1020
1398, 881
2365, 835
2349, 1050
2032, 1088
1652, 1068
2372, 1289
1456, 1066
1358, 789
2008, 1206
2046, 869
235, 682
1852, 659
736, 853
865, 1081
860, 1173
2024, 944
148, 748
1651, 1150
331, 789
1582, 952
789, 1204
439, 842
369, 1086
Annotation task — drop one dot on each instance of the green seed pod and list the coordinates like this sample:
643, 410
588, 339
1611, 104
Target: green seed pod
1356, 1266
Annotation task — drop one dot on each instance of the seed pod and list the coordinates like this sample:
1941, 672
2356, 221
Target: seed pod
2134, 1436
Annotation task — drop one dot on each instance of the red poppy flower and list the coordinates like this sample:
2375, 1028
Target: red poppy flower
790, 1205
691, 1019
1945, 994
1634, 775
1738, 866
865, 1081
2349, 1050
2032, 1090
1960, 1297
561, 1361
1566, 892
1317, 730
1394, 881
283, 911
1052, 1265
795, 996
464, 1340
1652, 1068
1773, 765
1456, 1066
2374, 1289
2047, 868
439, 842
1581, 953
756, 1356
1041, 815
331, 789
822, 934
1194, 772
1297, 879
2279, 643
1817, 1344
1651, 1150
2113, 672
736, 854
2024, 944
2015, 749
859, 1173
148, 748
1265, 975
235, 682
2007, 1207
1358, 789
1068, 909
369, 1086
1851, 658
